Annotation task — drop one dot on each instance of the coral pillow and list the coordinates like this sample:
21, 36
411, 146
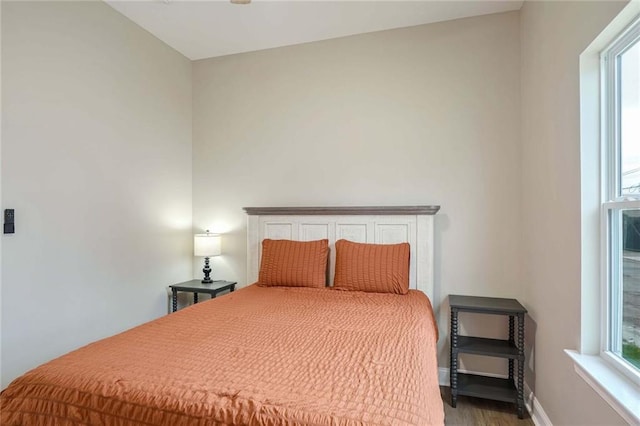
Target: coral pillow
294, 263
376, 268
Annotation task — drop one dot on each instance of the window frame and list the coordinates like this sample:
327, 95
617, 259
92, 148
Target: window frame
613, 202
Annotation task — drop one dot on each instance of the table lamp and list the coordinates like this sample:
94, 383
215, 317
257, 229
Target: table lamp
207, 245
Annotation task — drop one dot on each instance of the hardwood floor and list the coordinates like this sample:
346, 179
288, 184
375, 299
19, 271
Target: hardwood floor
476, 411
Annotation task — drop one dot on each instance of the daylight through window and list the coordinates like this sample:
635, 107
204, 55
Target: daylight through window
621, 212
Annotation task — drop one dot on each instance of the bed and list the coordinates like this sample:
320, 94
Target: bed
262, 355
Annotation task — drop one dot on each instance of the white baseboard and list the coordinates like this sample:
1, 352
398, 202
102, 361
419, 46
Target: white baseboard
443, 376
538, 416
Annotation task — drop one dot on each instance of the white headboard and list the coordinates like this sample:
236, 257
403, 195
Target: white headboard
384, 225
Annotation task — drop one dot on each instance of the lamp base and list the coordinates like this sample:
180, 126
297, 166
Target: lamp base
207, 271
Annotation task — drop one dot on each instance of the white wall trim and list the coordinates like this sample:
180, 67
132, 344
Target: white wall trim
538, 415
618, 390
443, 376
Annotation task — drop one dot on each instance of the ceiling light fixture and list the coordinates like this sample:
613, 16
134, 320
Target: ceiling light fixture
240, 1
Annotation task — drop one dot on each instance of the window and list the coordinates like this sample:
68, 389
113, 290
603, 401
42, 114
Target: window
610, 214
621, 203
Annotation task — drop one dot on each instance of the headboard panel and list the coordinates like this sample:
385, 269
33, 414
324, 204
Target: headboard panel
383, 225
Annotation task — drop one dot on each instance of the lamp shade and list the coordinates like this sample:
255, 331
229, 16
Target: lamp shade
207, 245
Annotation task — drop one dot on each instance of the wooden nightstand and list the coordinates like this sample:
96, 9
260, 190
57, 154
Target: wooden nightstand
510, 389
196, 286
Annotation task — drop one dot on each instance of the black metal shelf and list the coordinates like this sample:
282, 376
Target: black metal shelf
487, 347
487, 387
509, 390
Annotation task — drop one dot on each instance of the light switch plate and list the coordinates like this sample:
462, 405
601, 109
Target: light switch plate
9, 221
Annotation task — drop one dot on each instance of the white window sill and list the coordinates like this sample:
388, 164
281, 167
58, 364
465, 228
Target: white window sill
620, 392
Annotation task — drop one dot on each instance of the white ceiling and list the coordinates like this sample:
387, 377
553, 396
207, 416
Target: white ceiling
204, 29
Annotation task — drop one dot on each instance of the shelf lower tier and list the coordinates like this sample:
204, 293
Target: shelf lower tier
487, 387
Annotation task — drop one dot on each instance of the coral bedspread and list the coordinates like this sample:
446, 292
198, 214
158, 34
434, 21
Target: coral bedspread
258, 356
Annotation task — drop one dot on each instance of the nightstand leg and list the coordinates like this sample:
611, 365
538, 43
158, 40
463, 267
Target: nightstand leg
511, 341
453, 370
195, 298
520, 366
174, 300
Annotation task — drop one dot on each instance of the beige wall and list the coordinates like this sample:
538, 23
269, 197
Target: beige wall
553, 34
96, 160
1, 191
421, 115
